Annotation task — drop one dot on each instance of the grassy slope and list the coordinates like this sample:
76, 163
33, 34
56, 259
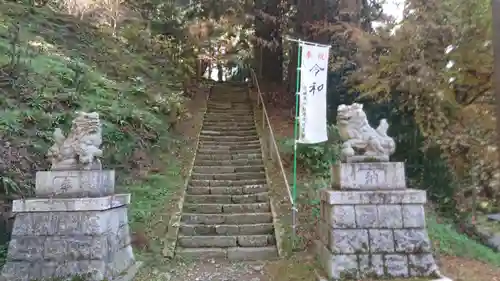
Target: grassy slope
67, 65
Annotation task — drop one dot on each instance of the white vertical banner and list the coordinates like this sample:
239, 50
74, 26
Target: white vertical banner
312, 109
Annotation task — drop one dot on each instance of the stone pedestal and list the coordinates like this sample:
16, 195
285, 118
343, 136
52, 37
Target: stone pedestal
373, 226
65, 235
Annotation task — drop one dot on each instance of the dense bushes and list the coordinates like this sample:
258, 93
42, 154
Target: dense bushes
315, 158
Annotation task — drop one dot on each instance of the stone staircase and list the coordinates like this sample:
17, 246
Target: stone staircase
226, 211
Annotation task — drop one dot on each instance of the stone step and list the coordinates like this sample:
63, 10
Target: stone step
227, 115
232, 162
227, 199
206, 241
219, 151
190, 218
238, 148
219, 130
232, 156
229, 99
239, 110
226, 208
226, 190
229, 138
233, 176
228, 169
234, 147
234, 109
234, 112
227, 229
222, 123
233, 254
219, 119
248, 183
228, 102
206, 132
229, 143
217, 127
230, 113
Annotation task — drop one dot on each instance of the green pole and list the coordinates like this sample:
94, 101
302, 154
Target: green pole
295, 136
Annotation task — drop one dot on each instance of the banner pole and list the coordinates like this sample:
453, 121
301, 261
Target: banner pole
295, 136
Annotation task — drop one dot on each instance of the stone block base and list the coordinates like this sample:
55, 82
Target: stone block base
64, 237
73, 184
369, 176
374, 234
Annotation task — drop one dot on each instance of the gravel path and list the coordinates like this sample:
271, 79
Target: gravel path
210, 270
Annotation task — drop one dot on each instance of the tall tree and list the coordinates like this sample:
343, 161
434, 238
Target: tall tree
438, 67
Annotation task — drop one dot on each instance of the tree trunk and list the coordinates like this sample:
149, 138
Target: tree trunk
220, 72
272, 58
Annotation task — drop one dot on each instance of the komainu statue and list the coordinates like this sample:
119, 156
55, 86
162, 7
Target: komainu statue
359, 138
80, 149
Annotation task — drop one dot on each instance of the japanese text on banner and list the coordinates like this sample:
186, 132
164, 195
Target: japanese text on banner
312, 110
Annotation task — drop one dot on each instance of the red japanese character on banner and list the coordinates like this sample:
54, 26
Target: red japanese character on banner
321, 56
308, 55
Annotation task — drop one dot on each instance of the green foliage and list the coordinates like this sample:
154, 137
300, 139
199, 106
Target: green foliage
450, 242
316, 158
424, 70
52, 65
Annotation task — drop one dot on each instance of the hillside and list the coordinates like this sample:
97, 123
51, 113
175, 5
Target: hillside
53, 65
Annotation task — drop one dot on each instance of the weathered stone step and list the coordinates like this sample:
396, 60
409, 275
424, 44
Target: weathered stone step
232, 162
230, 146
226, 208
227, 229
233, 112
189, 218
219, 130
222, 123
228, 199
227, 169
228, 99
226, 190
216, 127
233, 254
233, 176
229, 138
218, 151
228, 102
226, 241
235, 147
245, 182
232, 156
206, 132
229, 143
236, 110
227, 115
228, 119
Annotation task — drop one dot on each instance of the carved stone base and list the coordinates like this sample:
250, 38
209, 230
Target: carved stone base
369, 176
364, 159
374, 234
63, 237
72, 184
